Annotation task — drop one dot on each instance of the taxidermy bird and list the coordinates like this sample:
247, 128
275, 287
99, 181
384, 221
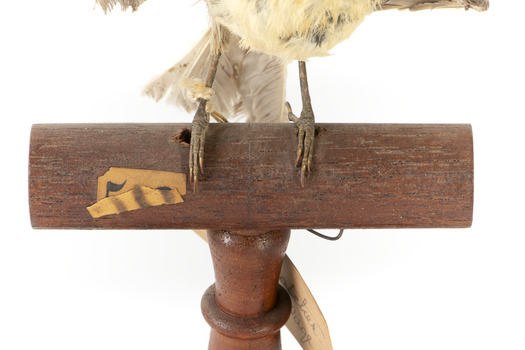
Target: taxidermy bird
239, 66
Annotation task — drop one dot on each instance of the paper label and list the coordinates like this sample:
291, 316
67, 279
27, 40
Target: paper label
306, 323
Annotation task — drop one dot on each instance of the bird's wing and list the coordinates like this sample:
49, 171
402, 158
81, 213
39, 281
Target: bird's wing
107, 5
479, 5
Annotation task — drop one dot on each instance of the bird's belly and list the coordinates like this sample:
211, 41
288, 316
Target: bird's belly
291, 29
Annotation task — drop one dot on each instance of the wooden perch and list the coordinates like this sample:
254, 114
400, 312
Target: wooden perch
363, 176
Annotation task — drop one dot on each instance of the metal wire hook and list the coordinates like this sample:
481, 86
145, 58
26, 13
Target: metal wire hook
329, 238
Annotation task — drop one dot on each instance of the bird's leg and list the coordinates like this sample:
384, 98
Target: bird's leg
200, 124
305, 125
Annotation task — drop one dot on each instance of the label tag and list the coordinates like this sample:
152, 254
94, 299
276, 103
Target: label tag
306, 323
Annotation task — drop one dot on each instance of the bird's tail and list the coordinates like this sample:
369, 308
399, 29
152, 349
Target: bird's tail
247, 83
478, 5
107, 5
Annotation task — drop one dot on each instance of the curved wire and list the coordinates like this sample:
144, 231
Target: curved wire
329, 238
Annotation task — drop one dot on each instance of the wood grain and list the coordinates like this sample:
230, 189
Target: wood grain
363, 176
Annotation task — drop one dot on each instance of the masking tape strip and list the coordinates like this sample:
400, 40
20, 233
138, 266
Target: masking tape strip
122, 189
140, 197
120, 180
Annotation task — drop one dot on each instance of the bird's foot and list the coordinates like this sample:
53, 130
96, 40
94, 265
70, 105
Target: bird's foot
200, 124
306, 135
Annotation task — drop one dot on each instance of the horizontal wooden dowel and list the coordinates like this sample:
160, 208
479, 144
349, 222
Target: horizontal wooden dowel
363, 176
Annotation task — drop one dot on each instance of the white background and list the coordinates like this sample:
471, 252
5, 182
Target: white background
65, 61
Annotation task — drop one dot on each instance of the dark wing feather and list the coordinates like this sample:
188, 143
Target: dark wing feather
479, 5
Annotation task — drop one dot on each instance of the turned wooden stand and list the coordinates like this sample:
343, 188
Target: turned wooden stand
247, 266
364, 176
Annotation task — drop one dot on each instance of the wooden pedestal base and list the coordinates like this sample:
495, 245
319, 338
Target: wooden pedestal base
246, 307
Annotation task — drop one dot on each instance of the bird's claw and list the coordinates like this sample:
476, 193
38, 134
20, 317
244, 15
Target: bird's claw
306, 135
198, 136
